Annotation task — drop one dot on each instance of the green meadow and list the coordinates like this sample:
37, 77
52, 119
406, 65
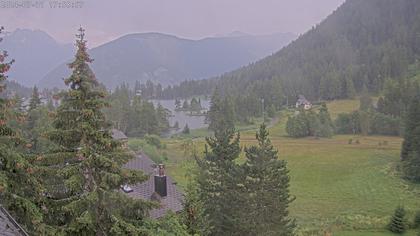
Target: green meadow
346, 185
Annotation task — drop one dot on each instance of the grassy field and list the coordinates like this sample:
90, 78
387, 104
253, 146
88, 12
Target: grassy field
346, 189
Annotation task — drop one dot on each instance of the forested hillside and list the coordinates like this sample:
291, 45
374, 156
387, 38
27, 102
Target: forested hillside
362, 43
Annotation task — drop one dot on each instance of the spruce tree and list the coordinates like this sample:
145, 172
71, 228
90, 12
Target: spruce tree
267, 194
35, 99
410, 153
84, 174
218, 177
326, 122
20, 192
221, 113
398, 222
365, 100
186, 129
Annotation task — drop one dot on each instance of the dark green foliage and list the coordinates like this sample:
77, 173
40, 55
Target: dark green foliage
363, 43
310, 123
398, 222
20, 191
218, 177
35, 99
385, 124
81, 189
410, 153
185, 105
153, 140
373, 123
298, 126
134, 115
416, 221
186, 129
271, 111
326, 124
221, 114
176, 125
397, 96
195, 105
365, 100
177, 104
192, 215
246, 102
267, 197
170, 224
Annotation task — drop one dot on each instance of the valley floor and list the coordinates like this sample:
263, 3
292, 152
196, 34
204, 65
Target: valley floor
347, 189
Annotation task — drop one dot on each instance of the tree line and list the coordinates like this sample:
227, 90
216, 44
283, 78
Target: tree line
134, 114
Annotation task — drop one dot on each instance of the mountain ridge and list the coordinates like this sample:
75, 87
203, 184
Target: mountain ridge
169, 59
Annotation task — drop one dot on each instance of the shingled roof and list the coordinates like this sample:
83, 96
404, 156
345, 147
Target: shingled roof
8, 225
118, 134
173, 200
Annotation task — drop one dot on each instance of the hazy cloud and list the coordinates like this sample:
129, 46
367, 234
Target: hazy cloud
108, 19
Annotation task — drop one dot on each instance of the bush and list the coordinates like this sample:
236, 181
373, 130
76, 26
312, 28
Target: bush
153, 140
297, 126
398, 222
186, 130
416, 222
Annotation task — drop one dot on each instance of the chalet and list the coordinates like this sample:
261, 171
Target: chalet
120, 136
302, 102
159, 187
9, 226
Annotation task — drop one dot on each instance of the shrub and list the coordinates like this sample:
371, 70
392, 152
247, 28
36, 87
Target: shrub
416, 222
398, 222
153, 140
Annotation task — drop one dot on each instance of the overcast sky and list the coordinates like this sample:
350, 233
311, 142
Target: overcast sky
107, 19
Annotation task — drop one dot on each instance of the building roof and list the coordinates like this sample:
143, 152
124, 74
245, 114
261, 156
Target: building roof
174, 199
118, 134
302, 100
8, 225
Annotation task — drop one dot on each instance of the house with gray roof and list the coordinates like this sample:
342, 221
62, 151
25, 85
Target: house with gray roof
159, 187
303, 102
9, 226
120, 136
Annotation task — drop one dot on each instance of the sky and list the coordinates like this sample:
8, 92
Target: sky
105, 20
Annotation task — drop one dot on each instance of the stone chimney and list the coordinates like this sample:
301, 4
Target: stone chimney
161, 187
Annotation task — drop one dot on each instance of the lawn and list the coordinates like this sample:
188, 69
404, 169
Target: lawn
346, 189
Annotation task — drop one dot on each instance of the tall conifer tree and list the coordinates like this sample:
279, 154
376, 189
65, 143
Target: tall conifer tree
20, 192
219, 175
265, 211
410, 153
85, 173
35, 99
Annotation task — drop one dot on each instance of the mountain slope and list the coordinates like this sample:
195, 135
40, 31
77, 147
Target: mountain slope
35, 54
362, 43
168, 60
